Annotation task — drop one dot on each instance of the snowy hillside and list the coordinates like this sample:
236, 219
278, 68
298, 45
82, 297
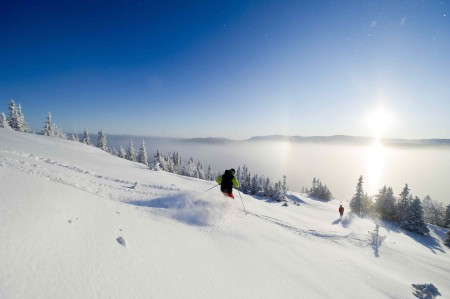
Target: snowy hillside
74, 224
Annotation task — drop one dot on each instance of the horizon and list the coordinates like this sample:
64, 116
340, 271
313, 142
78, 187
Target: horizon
235, 69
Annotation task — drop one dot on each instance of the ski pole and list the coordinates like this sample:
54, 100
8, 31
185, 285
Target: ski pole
211, 188
242, 202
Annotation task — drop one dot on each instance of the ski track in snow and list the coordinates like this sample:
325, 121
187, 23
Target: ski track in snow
357, 240
85, 180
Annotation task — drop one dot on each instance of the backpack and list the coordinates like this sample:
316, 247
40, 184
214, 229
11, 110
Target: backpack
227, 182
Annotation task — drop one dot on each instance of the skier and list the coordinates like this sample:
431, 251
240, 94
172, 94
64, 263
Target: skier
226, 181
341, 210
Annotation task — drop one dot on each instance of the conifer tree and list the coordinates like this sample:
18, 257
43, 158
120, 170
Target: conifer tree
12, 115
17, 119
403, 202
4, 121
101, 141
142, 154
74, 137
200, 171
447, 239
49, 127
385, 203
22, 125
86, 139
131, 152
447, 217
209, 174
357, 202
121, 153
413, 218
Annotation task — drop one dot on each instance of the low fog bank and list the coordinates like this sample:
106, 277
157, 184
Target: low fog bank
338, 165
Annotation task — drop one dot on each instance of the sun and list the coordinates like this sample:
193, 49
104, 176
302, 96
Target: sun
379, 121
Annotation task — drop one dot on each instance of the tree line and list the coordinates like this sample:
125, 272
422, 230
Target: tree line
408, 211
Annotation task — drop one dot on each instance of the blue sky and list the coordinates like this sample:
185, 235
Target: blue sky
231, 69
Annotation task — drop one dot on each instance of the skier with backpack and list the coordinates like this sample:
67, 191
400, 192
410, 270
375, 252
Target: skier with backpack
227, 181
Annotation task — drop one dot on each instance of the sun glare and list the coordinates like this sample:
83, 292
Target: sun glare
379, 122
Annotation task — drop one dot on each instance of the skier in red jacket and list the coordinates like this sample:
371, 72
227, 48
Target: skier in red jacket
341, 210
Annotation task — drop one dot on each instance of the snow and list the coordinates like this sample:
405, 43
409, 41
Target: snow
77, 222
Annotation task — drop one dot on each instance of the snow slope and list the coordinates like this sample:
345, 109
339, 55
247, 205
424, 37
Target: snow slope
74, 224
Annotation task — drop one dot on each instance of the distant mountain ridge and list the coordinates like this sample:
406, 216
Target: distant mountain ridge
335, 139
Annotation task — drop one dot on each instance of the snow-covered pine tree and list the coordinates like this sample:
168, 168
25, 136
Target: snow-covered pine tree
74, 137
284, 187
101, 141
22, 125
200, 171
320, 191
158, 161
447, 239
279, 195
447, 217
121, 153
12, 120
209, 174
413, 218
86, 139
131, 152
403, 203
191, 169
434, 212
4, 121
52, 130
267, 188
142, 154
49, 127
385, 203
357, 201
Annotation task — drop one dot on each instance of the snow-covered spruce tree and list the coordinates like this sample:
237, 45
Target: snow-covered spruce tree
403, 203
12, 120
22, 125
101, 141
158, 161
447, 239
131, 152
267, 188
142, 154
284, 187
209, 174
447, 217
200, 171
385, 203
357, 204
17, 119
433, 211
255, 187
86, 139
121, 153
191, 169
4, 121
320, 191
279, 194
74, 137
413, 218
49, 127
